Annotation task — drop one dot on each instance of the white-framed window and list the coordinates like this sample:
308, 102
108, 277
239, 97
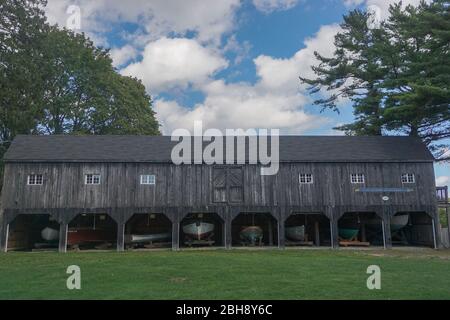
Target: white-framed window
357, 178
92, 179
35, 179
408, 178
306, 178
148, 179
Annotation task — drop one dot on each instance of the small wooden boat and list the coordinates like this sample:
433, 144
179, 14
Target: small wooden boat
80, 236
348, 234
49, 234
198, 230
252, 234
399, 222
136, 238
296, 233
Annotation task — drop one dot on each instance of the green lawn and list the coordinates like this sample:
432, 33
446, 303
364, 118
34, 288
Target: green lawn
220, 274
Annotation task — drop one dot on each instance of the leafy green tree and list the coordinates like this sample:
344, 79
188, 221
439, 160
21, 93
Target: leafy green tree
55, 81
396, 75
22, 26
85, 95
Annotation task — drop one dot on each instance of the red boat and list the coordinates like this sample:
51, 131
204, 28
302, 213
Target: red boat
79, 236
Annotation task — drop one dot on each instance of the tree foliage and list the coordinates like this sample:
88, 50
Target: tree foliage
397, 75
55, 81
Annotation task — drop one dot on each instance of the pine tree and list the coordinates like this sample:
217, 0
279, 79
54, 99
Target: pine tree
397, 75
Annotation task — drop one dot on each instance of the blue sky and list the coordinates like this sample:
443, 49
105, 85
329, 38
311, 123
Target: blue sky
228, 63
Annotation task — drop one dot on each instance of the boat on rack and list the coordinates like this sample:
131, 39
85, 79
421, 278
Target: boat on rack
252, 234
348, 234
296, 233
80, 236
399, 222
50, 234
136, 238
198, 230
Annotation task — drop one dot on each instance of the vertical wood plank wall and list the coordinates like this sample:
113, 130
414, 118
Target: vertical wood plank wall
190, 188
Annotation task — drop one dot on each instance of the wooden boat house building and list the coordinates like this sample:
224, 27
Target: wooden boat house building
124, 192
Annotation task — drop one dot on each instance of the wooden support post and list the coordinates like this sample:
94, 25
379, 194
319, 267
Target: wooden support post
435, 236
4, 233
363, 232
386, 226
176, 232
281, 233
63, 228
436, 228
121, 236
448, 223
227, 233
316, 233
270, 232
334, 230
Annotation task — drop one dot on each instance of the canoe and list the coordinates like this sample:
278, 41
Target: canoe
79, 236
251, 234
399, 222
348, 234
198, 230
296, 233
49, 234
150, 237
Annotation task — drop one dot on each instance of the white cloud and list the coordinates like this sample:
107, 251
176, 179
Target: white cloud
155, 18
175, 63
283, 74
172, 62
443, 181
268, 6
121, 56
230, 106
241, 50
382, 4
274, 101
351, 3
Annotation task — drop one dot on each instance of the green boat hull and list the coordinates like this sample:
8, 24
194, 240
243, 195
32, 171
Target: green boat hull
348, 234
251, 234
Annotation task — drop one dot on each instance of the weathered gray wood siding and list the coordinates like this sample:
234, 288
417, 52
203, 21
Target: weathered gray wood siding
192, 185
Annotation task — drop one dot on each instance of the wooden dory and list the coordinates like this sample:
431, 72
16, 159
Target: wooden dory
78, 236
49, 234
296, 233
136, 238
348, 234
251, 234
198, 230
398, 222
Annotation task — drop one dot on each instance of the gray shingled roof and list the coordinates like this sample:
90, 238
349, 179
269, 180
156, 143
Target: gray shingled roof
158, 149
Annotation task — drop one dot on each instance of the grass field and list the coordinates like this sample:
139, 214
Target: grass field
220, 274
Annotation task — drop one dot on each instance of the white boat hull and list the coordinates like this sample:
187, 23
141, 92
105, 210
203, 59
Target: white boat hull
150, 237
49, 234
198, 231
296, 233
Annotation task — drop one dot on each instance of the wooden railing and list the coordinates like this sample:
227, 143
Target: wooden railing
442, 194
